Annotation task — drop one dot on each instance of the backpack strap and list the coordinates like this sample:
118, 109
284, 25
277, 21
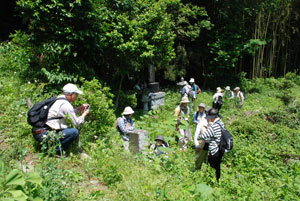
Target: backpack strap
52, 118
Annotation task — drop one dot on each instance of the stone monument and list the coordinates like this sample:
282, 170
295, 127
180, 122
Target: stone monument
138, 140
156, 97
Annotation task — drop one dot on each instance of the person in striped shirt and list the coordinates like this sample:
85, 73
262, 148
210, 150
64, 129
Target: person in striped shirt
213, 136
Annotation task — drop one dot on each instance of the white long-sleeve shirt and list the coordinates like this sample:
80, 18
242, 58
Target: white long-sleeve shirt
62, 108
216, 95
241, 97
201, 121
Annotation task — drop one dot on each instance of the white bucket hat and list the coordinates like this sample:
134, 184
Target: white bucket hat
227, 88
71, 88
219, 89
237, 88
185, 100
128, 110
192, 80
201, 105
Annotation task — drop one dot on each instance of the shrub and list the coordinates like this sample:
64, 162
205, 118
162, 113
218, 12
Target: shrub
101, 116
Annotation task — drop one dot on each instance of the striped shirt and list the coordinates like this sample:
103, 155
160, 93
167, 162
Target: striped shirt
213, 136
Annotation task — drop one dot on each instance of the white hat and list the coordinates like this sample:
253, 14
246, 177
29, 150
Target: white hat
192, 80
219, 89
71, 88
227, 88
201, 105
237, 88
185, 100
128, 110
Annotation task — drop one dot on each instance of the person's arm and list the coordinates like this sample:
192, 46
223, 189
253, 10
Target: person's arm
195, 118
242, 98
209, 133
67, 109
131, 125
122, 126
197, 132
183, 91
215, 97
177, 111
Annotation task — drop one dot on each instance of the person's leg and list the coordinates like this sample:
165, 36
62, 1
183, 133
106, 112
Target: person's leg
215, 162
214, 105
181, 138
69, 135
200, 157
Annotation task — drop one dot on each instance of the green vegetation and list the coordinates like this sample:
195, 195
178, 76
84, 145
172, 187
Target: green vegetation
106, 47
264, 164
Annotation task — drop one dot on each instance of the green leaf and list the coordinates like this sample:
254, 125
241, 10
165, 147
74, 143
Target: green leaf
37, 199
35, 178
15, 177
206, 191
1, 167
18, 195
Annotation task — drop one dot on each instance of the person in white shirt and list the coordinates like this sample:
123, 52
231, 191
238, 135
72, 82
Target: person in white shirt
58, 114
229, 93
218, 99
182, 112
240, 96
200, 120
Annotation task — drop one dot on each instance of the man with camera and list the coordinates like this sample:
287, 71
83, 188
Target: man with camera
58, 114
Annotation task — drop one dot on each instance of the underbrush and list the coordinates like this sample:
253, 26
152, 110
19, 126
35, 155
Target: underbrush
263, 165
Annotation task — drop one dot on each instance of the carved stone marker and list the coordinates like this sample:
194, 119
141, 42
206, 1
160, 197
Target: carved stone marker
157, 99
138, 140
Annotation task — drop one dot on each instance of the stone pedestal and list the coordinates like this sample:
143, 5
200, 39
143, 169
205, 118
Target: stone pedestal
138, 140
157, 99
153, 87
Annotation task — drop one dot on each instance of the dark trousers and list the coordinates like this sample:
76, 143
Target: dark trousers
217, 106
69, 135
215, 162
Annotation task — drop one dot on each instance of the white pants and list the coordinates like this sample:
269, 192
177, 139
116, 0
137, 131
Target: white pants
185, 137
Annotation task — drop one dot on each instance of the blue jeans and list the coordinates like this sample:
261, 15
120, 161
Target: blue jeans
69, 135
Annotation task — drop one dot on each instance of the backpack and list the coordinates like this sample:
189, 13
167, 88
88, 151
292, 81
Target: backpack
116, 124
37, 115
226, 141
191, 93
220, 100
198, 89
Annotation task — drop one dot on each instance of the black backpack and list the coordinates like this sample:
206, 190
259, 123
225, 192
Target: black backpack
226, 141
220, 100
37, 115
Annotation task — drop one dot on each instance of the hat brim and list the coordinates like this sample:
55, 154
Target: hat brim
161, 140
211, 116
78, 92
127, 113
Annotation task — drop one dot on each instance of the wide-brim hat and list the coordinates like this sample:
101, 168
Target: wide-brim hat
237, 88
71, 88
185, 100
219, 89
128, 110
161, 138
227, 88
201, 105
212, 113
192, 80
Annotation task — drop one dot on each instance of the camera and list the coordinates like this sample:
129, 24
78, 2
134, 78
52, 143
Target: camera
87, 108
